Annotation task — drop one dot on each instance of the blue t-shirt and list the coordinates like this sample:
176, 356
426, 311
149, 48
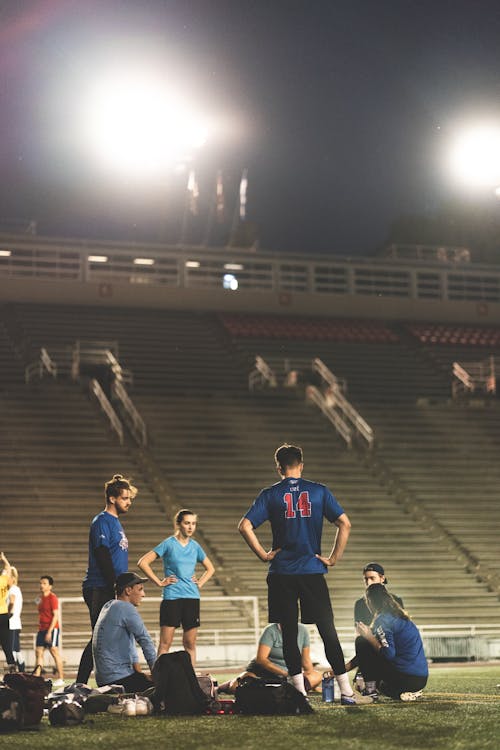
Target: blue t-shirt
295, 509
117, 629
106, 531
401, 644
180, 561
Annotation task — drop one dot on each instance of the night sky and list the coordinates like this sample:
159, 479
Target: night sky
340, 109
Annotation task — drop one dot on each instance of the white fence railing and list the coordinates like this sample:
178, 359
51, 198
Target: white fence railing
200, 267
232, 641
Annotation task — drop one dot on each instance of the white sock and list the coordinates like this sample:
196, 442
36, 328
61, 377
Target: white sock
344, 684
298, 683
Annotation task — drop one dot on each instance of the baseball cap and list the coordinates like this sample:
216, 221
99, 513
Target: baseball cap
128, 579
376, 568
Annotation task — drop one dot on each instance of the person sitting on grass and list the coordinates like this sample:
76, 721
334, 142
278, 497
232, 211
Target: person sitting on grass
118, 627
269, 663
390, 653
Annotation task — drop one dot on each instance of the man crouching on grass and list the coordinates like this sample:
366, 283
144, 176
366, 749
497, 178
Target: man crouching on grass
117, 629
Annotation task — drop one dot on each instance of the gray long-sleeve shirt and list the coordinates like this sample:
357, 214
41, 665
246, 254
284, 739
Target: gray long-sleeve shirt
117, 629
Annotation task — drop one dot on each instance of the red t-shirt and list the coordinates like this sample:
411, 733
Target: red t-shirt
46, 607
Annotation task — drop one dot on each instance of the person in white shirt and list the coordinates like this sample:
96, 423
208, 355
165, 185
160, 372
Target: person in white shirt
15, 607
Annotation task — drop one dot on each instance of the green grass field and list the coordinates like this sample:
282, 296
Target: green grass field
460, 710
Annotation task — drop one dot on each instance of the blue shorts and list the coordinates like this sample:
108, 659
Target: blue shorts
40, 638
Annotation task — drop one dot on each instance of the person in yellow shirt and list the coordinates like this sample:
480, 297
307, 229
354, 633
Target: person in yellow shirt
5, 637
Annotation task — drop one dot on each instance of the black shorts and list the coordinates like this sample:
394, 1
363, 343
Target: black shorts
175, 612
285, 592
259, 671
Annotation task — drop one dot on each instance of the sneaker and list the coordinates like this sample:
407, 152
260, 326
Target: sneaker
356, 699
129, 707
58, 683
370, 693
408, 697
115, 708
143, 706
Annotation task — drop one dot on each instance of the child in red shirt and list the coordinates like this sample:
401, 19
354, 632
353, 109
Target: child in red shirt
48, 628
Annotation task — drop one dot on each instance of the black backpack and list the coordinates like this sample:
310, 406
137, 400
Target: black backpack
177, 690
66, 713
256, 696
33, 691
11, 710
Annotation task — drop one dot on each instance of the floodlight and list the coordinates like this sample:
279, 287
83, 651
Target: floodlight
139, 125
475, 156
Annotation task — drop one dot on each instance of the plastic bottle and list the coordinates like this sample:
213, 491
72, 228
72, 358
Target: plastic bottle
359, 682
327, 687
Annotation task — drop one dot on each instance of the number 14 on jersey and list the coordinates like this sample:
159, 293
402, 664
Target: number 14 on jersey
294, 505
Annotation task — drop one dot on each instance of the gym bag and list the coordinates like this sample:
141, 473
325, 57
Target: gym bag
11, 710
66, 713
256, 696
177, 690
33, 691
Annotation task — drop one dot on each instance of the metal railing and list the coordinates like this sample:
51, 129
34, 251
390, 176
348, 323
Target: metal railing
44, 364
261, 374
472, 376
314, 394
97, 391
195, 267
334, 401
134, 419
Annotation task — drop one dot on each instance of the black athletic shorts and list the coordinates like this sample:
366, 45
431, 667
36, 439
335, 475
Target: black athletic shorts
285, 592
175, 612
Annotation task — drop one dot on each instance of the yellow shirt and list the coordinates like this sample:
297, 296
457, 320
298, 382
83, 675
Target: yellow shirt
4, 588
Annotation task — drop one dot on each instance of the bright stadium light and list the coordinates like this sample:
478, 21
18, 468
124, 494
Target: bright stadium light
138, 125
475, 156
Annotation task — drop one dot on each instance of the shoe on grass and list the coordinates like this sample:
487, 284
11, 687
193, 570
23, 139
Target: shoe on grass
409, 696
356, 699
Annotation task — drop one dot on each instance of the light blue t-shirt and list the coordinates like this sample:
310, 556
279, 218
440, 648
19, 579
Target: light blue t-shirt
272, 636
118, 627
180, 561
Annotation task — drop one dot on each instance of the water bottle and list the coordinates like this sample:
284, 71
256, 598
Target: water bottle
327, 687
359, 682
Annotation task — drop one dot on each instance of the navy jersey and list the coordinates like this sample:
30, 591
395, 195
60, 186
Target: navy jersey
295, 508
106, 531
401, 644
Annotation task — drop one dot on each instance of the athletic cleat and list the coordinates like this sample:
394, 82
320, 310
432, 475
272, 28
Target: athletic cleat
408, 697
370, 693
356, 699
143, 706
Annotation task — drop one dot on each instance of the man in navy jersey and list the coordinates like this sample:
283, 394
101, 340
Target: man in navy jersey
295, 508
108, 557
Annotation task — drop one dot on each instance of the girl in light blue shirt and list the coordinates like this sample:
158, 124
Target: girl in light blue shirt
181, 588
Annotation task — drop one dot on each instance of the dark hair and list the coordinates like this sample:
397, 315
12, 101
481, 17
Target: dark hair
287, 456
180, 515
49, 579
379, 600
114, 487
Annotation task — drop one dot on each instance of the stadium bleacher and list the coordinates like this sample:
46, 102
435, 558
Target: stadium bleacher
213, 442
